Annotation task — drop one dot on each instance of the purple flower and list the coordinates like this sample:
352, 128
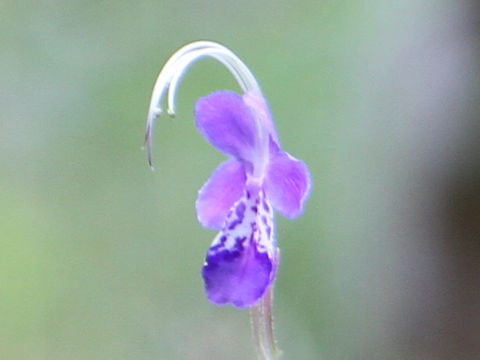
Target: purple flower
241, 194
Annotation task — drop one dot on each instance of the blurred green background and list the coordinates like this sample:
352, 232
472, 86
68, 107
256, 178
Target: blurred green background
100, 258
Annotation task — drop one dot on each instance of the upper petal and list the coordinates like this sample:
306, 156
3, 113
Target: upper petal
227, 123
260, 107
287, 184
219, 193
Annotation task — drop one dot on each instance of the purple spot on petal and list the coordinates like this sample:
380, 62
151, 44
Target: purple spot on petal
254, 209
265, 206
239, 243
220, 245
234, 224
240, 210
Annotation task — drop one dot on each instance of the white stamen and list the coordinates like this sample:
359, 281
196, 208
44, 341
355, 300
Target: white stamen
171, 74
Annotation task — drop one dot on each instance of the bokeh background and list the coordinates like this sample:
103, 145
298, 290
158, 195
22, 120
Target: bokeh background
100, 257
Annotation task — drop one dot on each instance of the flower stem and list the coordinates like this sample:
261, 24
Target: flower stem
262, 328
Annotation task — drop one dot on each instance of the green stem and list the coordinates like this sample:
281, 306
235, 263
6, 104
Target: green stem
262, 328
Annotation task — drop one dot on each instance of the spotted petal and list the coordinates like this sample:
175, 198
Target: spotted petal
240, 264
220, 192
287, 184
227, 123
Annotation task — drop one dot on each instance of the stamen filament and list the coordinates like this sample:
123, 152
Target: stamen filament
241, 73
171, 74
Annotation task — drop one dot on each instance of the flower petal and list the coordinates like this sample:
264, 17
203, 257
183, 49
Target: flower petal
260, 107
227, 123
220, 192
287, 184
240, 264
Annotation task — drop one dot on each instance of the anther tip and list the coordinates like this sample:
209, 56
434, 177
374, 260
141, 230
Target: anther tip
150, 161
155, 113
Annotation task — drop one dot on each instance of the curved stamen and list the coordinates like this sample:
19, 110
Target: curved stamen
238, 69
170, 76
165, 75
